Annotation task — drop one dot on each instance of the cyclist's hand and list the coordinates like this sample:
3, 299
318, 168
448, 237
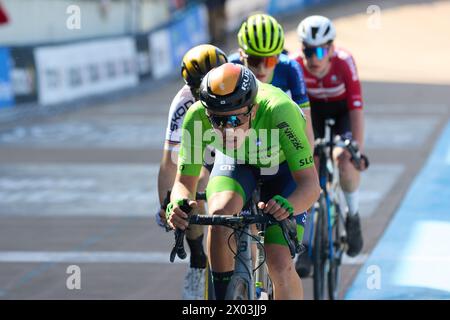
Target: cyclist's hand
363, 163
273, 208
176, 217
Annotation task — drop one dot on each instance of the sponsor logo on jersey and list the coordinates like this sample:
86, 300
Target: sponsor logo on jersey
290, 135
179, 114
227, 167
306, 161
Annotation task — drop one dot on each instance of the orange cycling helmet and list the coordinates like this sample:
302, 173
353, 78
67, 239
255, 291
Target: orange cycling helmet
228, 88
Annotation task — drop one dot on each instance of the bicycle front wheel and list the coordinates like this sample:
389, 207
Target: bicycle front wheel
319, 250
335, 263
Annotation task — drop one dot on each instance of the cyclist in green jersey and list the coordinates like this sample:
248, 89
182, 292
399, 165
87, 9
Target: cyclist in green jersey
258, 133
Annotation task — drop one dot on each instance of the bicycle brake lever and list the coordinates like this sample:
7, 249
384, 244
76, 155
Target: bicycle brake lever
289, 229
178, 248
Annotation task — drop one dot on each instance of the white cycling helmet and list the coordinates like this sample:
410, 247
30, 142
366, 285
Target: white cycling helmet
316, 31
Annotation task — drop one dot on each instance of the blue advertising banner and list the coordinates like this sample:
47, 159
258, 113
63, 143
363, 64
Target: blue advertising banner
288, 6
6, 90
190, 30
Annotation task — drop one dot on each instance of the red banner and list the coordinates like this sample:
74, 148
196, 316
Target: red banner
3, 17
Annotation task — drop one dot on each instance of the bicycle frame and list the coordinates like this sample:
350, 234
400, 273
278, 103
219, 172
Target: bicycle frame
330, 199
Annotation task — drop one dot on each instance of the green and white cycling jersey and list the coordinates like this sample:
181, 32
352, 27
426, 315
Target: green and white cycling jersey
278, 135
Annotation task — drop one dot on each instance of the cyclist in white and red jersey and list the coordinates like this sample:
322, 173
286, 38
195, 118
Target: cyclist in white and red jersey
334, 91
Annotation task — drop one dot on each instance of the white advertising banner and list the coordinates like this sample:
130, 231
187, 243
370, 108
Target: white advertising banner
67, 72
160, 53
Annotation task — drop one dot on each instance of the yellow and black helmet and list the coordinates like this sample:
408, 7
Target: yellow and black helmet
198, 61
228, 88
261, 35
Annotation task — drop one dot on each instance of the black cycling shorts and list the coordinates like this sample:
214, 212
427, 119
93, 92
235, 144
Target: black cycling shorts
337, 110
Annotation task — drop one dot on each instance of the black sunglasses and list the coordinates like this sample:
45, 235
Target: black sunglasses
320, 52
234, 120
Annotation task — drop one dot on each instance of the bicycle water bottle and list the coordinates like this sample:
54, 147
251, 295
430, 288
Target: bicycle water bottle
261, 294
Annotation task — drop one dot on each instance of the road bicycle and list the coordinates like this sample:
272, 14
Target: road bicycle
328, 235
247, 282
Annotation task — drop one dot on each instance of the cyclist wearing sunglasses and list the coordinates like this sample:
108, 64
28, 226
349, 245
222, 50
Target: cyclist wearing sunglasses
231, 99
195, 64
334, 91
261, 42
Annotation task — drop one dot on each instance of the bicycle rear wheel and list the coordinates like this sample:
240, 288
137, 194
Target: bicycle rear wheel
237, 289
319, 250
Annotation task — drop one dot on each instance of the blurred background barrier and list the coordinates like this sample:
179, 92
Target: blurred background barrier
277, 7
6, 92
67, 72
76, 49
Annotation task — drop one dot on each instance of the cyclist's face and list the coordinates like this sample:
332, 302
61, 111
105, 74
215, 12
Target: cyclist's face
317, 59
233, 126
262, 67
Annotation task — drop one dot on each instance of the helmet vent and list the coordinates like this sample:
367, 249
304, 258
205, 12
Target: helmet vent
314, 31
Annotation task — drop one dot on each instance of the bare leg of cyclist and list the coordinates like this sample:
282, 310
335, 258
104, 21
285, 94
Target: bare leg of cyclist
220, 257
349, 178
286, 282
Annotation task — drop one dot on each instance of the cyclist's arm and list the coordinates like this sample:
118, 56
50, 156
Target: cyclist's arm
168, 166
167, 172
184, 187
354, 100
191, 153
294, 143
307, 190
357, 126
309, 128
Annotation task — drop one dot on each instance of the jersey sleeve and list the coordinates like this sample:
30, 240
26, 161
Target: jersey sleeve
352, 83
178, 109
192, 147
290, 121
297, 85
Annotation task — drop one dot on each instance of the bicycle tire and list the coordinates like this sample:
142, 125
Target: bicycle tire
333, 280
319, 256
209, 293
333, 273
237, 289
